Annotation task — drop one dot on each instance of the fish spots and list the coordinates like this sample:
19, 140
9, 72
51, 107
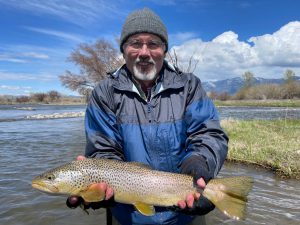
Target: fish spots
130, 182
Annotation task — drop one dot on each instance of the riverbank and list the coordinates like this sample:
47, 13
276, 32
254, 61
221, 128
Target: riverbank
273, 144
260, 103
82, 101
27, 100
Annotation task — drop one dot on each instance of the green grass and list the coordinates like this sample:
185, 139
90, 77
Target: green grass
274, 144
260, 103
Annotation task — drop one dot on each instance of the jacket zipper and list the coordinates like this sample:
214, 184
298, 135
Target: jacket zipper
149, 105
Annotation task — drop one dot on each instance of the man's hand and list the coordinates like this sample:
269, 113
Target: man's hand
196, 204
189, 200
75, 201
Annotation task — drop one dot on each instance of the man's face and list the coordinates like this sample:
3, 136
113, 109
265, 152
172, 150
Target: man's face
144, 55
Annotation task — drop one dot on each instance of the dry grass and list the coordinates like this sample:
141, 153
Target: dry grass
274, 144
261, 103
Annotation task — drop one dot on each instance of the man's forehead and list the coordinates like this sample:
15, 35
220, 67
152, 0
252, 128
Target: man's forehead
145, 36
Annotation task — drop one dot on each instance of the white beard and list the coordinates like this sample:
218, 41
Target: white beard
144, 75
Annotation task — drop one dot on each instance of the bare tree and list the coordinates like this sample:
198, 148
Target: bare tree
22, 99
185, 66
290, 87
38, 97
94, 60
213, 95
289, 76
224, 96
249, 79
54, 95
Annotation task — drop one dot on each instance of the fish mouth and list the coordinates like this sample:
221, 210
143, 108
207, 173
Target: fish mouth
44, 187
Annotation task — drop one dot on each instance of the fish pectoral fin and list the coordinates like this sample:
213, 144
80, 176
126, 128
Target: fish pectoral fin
145, 209
92, 194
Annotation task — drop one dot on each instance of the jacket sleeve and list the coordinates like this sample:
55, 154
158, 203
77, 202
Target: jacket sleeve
205, 137
103, 139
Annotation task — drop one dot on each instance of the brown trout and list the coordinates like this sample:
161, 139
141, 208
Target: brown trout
138, 184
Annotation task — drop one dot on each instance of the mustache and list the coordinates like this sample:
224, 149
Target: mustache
145, 60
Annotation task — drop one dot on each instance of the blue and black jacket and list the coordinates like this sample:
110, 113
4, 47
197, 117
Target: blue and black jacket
176, 122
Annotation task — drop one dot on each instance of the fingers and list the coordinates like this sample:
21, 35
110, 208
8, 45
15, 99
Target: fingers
190, 198
181, 204
80, 157
103, 188
189, 201
109, 193
201, 183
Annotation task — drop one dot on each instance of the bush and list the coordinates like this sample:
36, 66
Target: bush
224, 96
38, 97
22, 99
54, 96
269, 91
240, 95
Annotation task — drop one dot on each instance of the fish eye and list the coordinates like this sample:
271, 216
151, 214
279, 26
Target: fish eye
50, 177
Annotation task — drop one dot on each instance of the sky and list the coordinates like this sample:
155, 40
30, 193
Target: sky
226, 37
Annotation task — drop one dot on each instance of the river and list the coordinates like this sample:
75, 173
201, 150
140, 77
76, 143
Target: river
31, 143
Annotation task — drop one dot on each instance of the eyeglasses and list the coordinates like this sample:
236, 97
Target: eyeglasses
151, 45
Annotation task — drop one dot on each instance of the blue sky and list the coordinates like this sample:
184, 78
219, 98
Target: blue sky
226, 37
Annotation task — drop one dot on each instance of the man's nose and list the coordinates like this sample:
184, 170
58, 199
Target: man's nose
144, 51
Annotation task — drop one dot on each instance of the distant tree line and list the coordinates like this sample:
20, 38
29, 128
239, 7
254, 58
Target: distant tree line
50, 97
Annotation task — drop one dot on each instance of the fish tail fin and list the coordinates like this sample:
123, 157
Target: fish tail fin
229, 195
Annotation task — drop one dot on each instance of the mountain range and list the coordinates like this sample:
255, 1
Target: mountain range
232, 85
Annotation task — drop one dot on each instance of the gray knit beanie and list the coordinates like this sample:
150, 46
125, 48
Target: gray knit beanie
143, 21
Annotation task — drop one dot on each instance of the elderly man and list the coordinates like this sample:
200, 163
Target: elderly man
150, 112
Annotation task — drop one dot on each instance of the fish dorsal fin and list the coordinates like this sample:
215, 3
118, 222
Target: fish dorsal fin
139, 164
92, 194
146, 210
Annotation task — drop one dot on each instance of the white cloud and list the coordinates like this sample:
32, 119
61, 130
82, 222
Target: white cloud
35, 55
34, 51
15, 76
15, 88
281, 48
14, 54
226, 56
59, 34
12, 59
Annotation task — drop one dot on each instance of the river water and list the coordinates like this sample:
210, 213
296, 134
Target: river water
30, 143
